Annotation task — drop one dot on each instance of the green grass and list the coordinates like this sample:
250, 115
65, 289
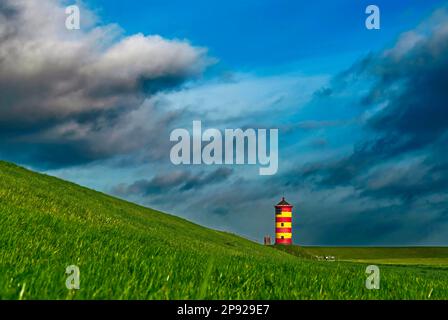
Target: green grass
125, 251
431, 256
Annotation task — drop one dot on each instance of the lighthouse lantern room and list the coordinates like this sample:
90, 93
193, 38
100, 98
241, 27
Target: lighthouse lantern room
283, 223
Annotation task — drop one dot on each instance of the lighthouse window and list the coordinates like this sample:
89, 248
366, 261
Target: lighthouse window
282, 224
283, 237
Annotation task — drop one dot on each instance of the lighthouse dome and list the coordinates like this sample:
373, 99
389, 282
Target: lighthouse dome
283, 202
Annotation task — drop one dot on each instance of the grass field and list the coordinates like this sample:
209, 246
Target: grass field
125, 251
430, 256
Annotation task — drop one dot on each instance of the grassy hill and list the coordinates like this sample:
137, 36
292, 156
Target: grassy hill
126, 251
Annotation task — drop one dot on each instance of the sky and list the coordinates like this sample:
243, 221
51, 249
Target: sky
361, 114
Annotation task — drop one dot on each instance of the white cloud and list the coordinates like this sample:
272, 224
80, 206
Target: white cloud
48, 71
245, 96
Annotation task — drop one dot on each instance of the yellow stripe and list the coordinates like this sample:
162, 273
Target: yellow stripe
284, 214
285, 225
285, 235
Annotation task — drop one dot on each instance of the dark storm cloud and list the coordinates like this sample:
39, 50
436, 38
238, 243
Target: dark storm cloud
7, 10
410, 81
203, 179
179, 181
313, 125
70, 91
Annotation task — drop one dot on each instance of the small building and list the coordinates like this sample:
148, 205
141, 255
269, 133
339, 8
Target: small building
267, 240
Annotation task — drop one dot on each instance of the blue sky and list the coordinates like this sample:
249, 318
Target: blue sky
360, 112
268, 35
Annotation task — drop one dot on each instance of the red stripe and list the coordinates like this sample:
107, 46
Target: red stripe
283, 241
284, 209
283, 219
283, 230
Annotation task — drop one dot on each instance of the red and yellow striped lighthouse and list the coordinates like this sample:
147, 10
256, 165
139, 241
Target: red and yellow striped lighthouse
283, 222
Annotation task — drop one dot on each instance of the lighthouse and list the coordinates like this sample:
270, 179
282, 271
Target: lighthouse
283, 223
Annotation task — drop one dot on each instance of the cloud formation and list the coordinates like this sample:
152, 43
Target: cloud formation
178, 181
397, 174
409, 93
391, 187
71, 88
